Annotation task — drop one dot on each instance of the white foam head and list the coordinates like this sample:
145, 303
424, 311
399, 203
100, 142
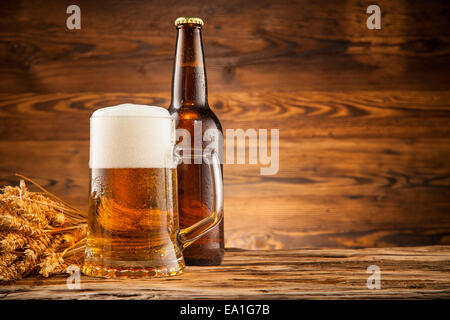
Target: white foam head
131, 136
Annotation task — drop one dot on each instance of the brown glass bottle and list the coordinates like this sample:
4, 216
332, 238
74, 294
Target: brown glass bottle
190, 107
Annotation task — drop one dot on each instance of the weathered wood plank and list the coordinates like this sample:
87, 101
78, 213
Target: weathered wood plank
298, 114
356, 200
406, 273
252, 45
356, 170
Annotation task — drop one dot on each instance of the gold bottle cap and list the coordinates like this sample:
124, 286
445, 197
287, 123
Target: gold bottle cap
191, 20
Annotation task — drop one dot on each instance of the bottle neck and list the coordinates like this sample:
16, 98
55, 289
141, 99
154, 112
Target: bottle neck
189, 87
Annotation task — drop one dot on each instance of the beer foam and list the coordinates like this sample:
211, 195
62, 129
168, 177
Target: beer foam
131, 136
131, 110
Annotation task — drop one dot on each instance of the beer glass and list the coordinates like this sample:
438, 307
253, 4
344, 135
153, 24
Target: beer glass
133, 227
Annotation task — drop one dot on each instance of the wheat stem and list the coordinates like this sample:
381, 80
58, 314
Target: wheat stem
51, 194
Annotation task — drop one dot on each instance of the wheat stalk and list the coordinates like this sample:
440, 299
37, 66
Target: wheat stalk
39, 232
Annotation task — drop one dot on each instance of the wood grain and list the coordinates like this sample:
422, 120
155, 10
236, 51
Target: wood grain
405, 115
356, 170
406, 273
128, 46
363, 114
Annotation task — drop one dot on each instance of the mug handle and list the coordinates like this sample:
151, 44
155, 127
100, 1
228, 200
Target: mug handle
188, 235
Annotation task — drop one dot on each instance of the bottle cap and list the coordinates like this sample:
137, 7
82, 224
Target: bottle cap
188, 20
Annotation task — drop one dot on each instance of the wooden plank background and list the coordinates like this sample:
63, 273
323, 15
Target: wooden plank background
363, 114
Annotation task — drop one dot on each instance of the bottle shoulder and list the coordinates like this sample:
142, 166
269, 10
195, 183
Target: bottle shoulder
186, 115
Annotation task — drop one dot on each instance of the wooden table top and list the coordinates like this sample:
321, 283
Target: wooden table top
406, 273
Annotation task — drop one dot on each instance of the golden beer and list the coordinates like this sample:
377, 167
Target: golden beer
133, 212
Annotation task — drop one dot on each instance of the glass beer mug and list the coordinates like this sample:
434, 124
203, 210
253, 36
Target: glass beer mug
133, 228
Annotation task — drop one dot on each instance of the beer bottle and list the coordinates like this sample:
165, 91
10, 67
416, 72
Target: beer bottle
190, 107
